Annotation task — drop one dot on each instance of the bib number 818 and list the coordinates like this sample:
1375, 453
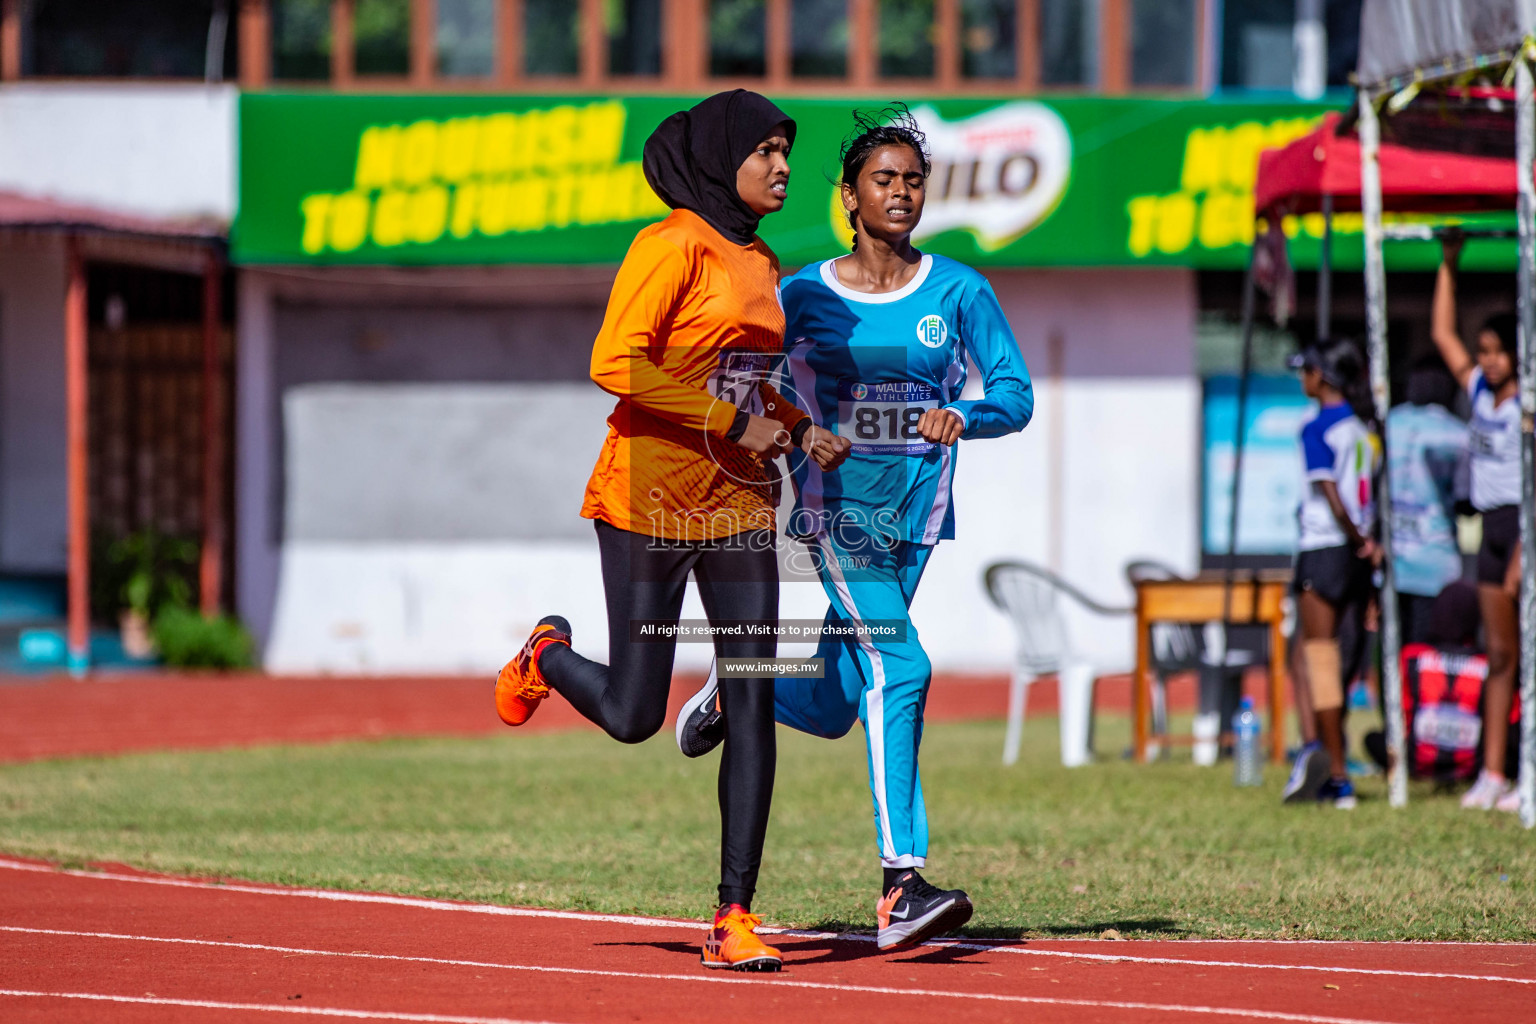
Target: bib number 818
899, 423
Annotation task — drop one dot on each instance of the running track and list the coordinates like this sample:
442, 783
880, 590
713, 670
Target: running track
116, 946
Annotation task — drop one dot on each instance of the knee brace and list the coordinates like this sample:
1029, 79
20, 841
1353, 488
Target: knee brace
1323, 674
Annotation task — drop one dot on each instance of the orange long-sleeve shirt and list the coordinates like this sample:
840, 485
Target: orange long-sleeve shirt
692, 325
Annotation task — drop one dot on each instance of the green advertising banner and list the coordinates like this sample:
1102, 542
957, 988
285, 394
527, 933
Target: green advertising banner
1072, 181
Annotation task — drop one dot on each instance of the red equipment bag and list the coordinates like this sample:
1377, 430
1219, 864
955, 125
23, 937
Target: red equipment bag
1442, 698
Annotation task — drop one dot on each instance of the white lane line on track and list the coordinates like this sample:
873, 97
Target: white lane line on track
665, 922
777, 980
315, 1011
1115, 958
422, 903
574, 915
356, 897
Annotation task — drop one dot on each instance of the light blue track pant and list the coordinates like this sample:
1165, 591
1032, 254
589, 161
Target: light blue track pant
881, 682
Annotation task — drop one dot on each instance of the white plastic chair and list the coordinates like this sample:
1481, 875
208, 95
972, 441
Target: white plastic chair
1031, 598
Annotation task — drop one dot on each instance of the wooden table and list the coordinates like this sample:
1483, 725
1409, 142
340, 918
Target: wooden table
1255, 598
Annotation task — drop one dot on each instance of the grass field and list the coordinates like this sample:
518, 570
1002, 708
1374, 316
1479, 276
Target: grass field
577, 821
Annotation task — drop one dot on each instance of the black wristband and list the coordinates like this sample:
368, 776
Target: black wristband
797, 432
738, 426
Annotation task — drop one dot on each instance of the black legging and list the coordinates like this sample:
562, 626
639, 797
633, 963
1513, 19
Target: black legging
644, 579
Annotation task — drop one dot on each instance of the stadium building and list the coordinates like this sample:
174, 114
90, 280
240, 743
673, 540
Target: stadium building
313, 284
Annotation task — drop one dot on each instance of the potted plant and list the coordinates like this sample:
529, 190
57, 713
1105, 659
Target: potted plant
138, 574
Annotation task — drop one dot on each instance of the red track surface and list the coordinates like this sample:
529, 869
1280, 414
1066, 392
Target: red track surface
113, 945
62, 717
129, 948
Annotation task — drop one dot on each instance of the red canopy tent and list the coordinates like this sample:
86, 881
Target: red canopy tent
1326, 162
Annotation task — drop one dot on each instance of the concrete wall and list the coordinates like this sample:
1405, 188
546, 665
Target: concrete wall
439, 463
33, 488
374, 370
151, 149
1108, 472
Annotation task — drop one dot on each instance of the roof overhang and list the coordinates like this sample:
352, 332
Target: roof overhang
180, 245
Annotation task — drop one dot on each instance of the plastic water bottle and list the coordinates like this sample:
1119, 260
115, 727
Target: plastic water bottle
1248, 770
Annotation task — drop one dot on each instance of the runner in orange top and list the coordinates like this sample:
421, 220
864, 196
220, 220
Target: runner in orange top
682, 484
692, 326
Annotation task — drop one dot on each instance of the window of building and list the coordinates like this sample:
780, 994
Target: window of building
1256, 46
634, 36
988, 33
1069, 42
818, 39
1049, 44
906, 38
551, 37
301, 39
738, 32
466, 38
382, 34
1341, 20
1163, 42
111, 39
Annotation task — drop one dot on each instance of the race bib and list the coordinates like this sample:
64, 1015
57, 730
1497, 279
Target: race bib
736, 380
1482, 442
881, 419
1411, 524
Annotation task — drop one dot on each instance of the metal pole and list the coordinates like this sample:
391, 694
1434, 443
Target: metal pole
1376, 325
1309, 76
1525, 152
210, 574
213, 51
1325, 274
1237, 467
77, 472
1241, 439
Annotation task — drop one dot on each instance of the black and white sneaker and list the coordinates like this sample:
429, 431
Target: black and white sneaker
1308, 773
700, 725
913, 911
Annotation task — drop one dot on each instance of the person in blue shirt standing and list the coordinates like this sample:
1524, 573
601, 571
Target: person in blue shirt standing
1425, 442
1336, 555
876, 346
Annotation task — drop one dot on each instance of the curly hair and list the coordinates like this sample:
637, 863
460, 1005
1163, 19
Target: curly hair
892, 126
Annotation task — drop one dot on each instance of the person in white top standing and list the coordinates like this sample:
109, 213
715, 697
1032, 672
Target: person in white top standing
1492, 385
1335, 555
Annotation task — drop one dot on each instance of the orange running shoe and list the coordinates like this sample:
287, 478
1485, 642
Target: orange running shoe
732, 943
520, 687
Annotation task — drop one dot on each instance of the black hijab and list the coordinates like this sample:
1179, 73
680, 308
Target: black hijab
692, 157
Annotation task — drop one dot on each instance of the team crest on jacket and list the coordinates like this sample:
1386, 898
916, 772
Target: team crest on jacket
932, 331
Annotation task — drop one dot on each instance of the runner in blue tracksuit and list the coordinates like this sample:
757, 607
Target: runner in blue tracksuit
876, 345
